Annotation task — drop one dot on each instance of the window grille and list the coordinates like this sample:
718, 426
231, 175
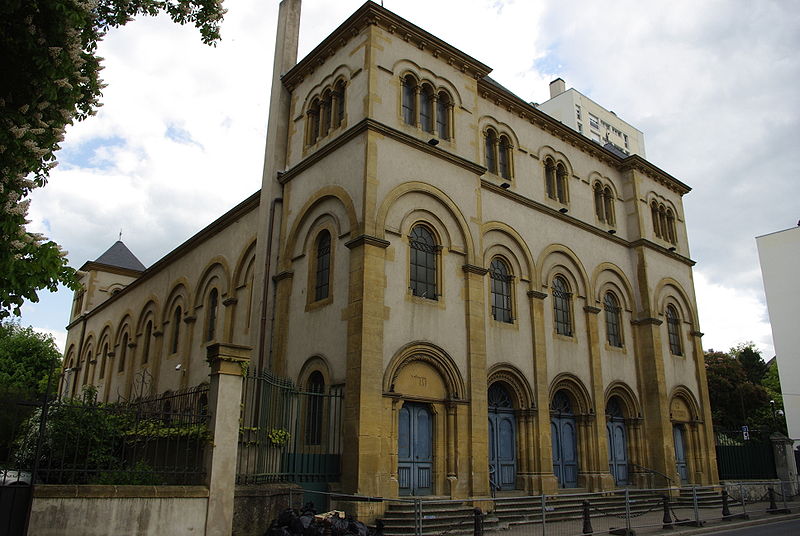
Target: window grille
501, 291
322, 285
613, 312
562, 306
674, 331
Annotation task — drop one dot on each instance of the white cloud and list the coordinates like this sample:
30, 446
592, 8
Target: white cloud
729, 316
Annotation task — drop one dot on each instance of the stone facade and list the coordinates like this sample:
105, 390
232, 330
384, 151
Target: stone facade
438, 245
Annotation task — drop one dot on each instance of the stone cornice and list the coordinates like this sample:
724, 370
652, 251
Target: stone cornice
372, 14
510, 102
536, 294
367, 240
374, 126
591, 309
473, 269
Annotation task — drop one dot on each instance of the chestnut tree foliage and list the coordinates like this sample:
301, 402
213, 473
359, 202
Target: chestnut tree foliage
50, 78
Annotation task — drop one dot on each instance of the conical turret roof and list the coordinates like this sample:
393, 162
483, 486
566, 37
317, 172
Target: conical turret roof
120, 256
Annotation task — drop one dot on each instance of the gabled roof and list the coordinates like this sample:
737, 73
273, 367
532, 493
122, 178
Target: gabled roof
119, 256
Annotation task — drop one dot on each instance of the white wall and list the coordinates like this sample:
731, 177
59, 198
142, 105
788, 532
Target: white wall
779, 254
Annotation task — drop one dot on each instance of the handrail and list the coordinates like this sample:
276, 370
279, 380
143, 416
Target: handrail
649, 470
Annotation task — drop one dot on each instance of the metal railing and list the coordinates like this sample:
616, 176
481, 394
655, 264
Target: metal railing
154, 441
288, 434
618, 512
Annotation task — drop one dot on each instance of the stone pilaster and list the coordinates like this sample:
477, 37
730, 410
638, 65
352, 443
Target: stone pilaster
601, 478
542, 448
476, 365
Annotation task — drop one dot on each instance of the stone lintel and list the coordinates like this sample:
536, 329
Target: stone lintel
227, 358
367, 239
473, 269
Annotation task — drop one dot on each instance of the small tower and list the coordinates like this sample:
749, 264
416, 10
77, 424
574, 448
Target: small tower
105, 276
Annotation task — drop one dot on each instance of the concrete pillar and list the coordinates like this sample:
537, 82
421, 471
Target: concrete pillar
785, 463
228, 363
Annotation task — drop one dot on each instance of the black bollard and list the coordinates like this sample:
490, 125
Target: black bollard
587, 519
478, 530
667, 521
773, 508
726, 512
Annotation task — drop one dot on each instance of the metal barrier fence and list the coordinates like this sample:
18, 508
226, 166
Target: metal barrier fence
287, 434
79, 441
617, 512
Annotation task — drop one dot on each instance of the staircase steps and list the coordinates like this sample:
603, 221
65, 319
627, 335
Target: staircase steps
437, 518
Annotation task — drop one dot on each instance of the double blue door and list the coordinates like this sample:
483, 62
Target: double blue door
565, 450
415, 450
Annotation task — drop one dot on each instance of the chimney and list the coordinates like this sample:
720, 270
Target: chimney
557, 87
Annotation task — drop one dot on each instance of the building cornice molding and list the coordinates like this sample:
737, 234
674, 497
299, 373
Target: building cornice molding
100, 267
372, 14
537, 295
647, 321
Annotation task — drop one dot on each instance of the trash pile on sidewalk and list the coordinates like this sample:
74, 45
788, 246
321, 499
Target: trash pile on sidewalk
290, 522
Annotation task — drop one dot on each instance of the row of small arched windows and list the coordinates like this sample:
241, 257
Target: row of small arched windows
426, 108
663, 222
325, 113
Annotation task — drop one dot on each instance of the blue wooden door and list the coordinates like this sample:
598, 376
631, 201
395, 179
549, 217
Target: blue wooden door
618, 452
415, 450
617, 443
502, 439
565, 441
680, 453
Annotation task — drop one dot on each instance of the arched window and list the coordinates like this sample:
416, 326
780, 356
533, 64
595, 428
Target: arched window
670, 226
613, 320
426, 108
674, 331
323, 266
410, 100
443, 115
211, 319
599, 207
103, 361
86, 367
662, 221
176, 330
504, 157
550, 178
608, 206
562, 306
123, 351
338, 104
315, 388
148, 334
656, 224
313, 122
501, 290
326, 113
424, 249
491, 144
561, 183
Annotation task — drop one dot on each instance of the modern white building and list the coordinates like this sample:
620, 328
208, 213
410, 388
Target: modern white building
779, 254
602, 126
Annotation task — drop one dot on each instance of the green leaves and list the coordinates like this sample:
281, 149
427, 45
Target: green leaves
50, 78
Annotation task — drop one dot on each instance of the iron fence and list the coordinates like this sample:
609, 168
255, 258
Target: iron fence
288, 434
159, 440
744, 455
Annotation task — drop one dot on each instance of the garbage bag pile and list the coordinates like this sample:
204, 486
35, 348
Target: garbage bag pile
307, 522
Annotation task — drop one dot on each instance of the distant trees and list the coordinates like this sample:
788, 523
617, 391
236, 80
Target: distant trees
744, 390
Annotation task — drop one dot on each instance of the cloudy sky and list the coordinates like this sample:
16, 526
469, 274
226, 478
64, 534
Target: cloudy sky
712, 84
